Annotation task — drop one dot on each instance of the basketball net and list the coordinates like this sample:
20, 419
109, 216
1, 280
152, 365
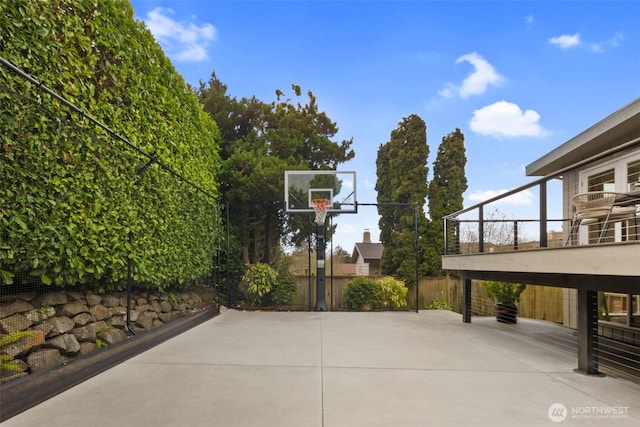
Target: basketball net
321, 206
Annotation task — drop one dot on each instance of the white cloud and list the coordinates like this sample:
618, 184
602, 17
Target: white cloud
183, 41
506, 119
566, 41
522, 198
477, 82
483, 75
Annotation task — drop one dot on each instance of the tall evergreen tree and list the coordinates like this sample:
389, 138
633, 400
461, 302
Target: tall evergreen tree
445, 194
402, 178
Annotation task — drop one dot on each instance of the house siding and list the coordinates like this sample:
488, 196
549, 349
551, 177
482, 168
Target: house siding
362, 268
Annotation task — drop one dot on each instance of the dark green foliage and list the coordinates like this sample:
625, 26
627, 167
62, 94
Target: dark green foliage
402, 179
285, 288
445, 194
375, 293
260, 142
231, 267
75, 204
282, 293
268, 286
260, 279
360, 293
439, 305
503, 292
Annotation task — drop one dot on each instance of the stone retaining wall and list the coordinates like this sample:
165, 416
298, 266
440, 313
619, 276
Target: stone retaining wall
67, 324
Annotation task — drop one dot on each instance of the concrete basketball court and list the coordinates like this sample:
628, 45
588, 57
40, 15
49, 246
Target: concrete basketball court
349, 369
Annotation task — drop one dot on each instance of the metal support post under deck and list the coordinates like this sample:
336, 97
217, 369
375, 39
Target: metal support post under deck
466, 301
587, 331
321, 304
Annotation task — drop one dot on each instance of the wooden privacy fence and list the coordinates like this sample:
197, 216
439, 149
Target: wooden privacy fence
536, 302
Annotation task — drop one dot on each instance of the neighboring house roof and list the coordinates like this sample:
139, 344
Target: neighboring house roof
368, 251
612, 131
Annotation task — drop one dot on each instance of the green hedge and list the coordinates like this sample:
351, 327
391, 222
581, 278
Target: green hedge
375, 293
73, 205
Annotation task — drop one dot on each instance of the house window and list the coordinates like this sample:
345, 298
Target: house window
620, 308
602, 181
633, 184
634, 319
633, 175
620, 175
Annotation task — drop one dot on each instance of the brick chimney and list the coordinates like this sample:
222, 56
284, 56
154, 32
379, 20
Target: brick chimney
366, 236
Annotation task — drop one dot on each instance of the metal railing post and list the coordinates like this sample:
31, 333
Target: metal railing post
446, 236
543, 214
481, 228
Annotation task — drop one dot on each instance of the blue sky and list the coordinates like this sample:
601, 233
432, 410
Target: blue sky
518, 78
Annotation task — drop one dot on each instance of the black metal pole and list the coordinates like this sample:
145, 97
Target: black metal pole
321, 304
129, 285
331, 255
445, 224
417, 262
466, 300
229, 294
218, 240
480, 229
587, 330
309, 260
543, 215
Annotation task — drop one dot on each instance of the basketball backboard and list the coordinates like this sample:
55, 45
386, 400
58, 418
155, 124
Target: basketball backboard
301, 187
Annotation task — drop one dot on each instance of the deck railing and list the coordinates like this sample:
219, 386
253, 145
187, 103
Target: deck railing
499, 223
511, 220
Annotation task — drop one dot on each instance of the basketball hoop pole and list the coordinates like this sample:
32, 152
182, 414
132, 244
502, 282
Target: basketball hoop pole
321, 304
321, 207
320, 191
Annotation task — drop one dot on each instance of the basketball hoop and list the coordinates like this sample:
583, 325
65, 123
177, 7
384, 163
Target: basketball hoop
321, 206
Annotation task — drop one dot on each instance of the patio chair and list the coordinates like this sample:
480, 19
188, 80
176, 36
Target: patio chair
598, 207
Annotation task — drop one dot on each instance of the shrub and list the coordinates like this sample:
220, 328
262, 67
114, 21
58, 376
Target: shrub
360, 293
381, 293
282, 293
390, 293
503, 292
284, 290
260, 278
439, 305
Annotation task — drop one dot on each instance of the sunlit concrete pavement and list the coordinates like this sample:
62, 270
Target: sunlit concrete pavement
348, 369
